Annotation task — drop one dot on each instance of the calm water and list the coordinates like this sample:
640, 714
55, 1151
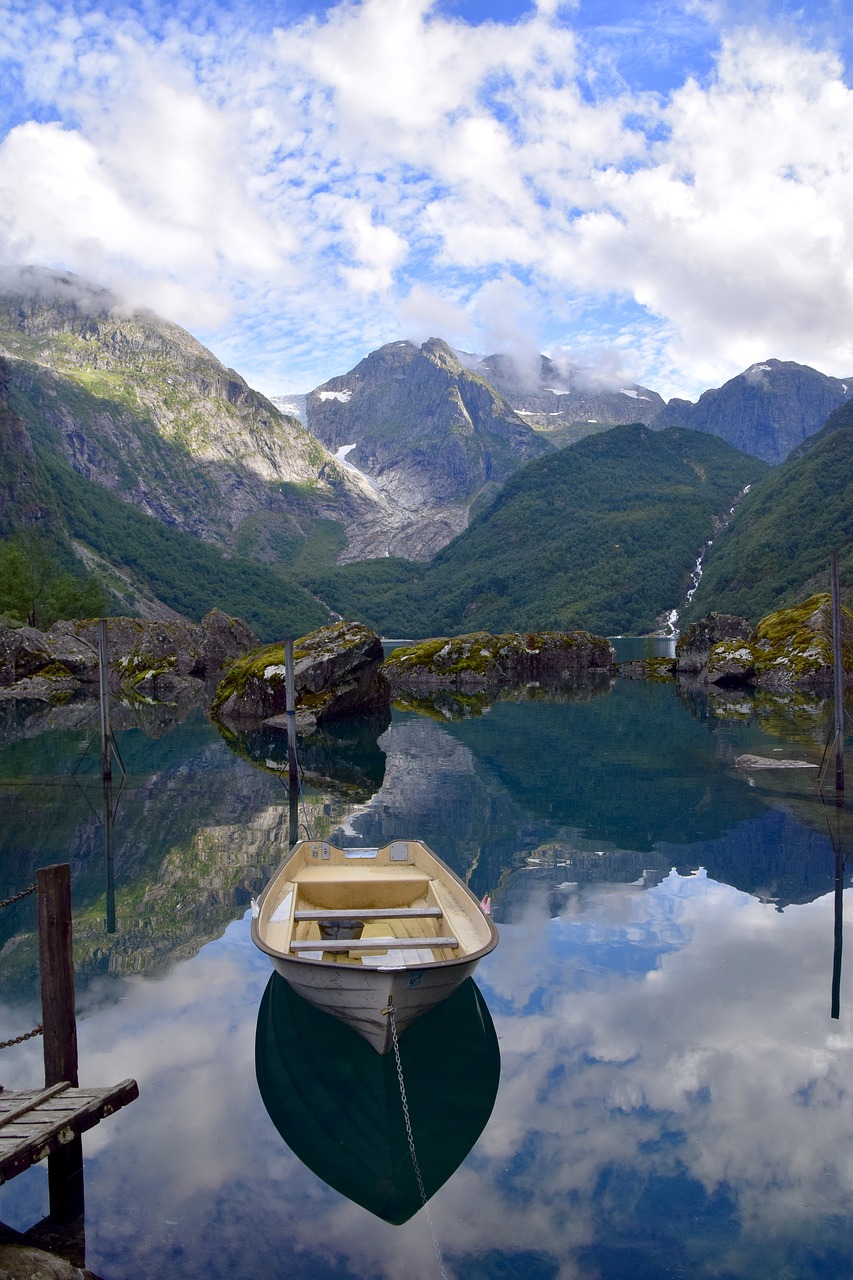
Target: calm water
674, 1097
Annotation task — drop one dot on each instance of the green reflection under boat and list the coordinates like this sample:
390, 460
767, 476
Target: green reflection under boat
336, 1102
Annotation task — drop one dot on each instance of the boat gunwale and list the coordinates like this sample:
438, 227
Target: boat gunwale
452, 962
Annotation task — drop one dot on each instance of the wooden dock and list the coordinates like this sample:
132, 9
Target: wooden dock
35, 1123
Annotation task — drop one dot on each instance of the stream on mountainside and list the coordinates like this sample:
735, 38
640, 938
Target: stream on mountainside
670, 1092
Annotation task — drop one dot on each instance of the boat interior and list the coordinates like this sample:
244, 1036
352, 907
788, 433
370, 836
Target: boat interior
396, 904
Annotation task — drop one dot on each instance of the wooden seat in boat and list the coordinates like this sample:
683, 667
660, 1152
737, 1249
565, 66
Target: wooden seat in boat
370, 913
372, 944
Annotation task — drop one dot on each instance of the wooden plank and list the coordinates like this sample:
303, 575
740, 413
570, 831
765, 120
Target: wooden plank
21, 1102
372, 944
371, 913
48, 1123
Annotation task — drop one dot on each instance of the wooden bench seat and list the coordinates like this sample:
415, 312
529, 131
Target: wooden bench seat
370, 913
372, 944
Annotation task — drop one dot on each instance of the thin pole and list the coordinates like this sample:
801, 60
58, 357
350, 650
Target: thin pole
109, 863
106, 736
838, 932
838, 674
292, 767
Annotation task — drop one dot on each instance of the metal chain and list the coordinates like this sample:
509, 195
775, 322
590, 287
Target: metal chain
18, 896
28, 1035
424, 1199
39, 1030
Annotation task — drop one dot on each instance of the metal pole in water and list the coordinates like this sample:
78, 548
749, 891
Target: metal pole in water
838, 674
103, 673
292, 766
109, 861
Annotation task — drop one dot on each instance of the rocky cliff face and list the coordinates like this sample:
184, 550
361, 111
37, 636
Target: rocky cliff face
430, 434
767, 411
565, 402
138, 406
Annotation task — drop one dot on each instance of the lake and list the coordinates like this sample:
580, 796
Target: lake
674, 1098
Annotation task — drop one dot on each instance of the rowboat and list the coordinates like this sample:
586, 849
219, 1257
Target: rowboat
362, 932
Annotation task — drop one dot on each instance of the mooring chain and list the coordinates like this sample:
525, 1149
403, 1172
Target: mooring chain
28, 1035
410, 1136
18, 896
39, 1030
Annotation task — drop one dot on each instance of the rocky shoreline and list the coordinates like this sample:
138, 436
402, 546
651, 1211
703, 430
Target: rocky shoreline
340, 670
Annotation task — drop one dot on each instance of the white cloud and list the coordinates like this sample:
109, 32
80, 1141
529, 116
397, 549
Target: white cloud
349, 167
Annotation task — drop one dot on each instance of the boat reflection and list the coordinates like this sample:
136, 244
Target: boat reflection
336, 1102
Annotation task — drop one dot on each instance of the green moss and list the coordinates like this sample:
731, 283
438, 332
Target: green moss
797, 641
56, 671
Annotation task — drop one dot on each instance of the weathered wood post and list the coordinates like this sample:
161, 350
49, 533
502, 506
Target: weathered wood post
103, 674
292, 766
56, 971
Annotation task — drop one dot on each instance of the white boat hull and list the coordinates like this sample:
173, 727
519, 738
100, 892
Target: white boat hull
362, 998
413, 932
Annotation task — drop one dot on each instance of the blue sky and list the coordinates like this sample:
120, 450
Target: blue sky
662, 189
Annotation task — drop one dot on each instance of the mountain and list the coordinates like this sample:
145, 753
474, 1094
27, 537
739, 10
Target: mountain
138, 406
565, 402
768, 410
776, 550
600, 535
56, 525
432, 436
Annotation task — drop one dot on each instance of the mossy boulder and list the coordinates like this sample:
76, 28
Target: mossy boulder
480, 660
693, 650
337, 672
730, 662
790, 649
793, 647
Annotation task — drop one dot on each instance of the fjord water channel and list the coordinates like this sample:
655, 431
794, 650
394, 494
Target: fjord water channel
664, 1094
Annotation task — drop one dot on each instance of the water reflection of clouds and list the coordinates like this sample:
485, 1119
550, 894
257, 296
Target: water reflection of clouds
702, 1083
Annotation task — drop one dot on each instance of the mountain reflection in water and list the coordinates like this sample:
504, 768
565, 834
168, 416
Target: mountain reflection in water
336, 1102
674, 1096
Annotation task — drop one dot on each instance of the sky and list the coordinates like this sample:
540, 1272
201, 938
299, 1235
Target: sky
661, 189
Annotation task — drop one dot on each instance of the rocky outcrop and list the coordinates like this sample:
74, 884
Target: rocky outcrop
150, 659
336, 673
793, 647
693, 650
789, 649
481, 660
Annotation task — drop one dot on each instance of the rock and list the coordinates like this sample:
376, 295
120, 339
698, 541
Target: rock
23, 1262
694, 646
223, 639
54, 684
730, 662
793, 647
31, 652
771, 762
79, 656
480, 660
8, 649
336, 673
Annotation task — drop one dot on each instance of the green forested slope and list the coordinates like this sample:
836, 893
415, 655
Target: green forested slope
601, 535
776, 550
189, 575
